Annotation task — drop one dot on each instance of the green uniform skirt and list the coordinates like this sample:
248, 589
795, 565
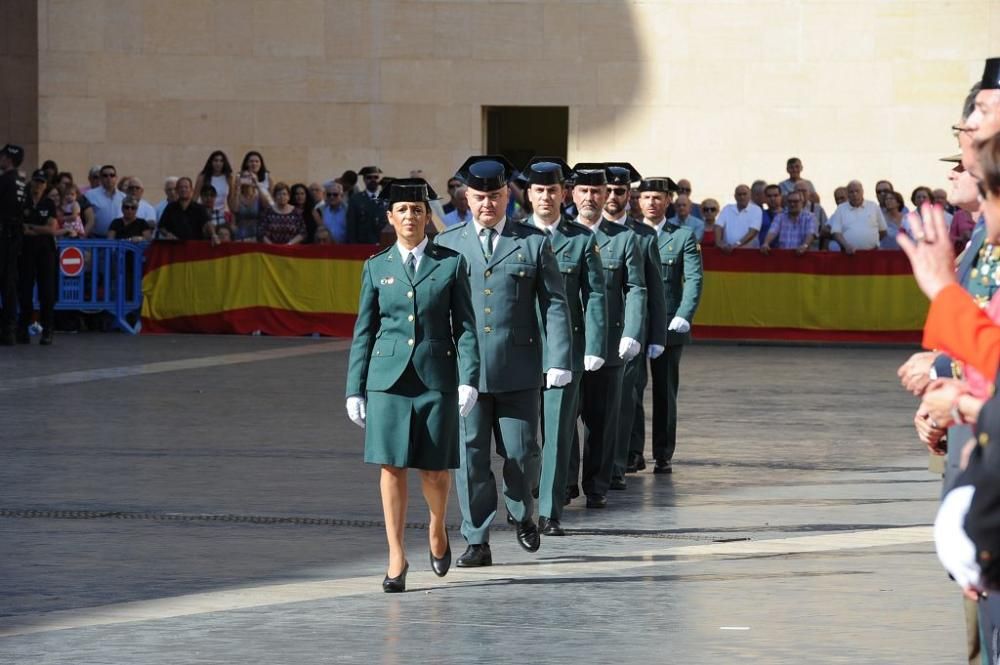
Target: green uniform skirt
410, 426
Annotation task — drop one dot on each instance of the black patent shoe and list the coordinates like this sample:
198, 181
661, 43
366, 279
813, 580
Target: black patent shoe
476, 556
636, 463
527, 535
597, 501
441, 566
550, 527
618, 483
663, 466
396, 584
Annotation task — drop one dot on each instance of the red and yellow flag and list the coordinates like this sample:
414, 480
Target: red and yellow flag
192, 287
819, 296
240, 288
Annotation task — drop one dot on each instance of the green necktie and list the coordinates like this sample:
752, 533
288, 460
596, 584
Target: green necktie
411, 266
486, 238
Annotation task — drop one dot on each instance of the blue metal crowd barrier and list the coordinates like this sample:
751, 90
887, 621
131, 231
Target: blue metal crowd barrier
106, 276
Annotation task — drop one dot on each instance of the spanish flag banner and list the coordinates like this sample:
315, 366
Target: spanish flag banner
819, 296
240, 288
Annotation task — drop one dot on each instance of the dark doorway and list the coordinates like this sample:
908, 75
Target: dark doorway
521, 132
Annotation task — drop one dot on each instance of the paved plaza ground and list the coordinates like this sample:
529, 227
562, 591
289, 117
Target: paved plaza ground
203, 500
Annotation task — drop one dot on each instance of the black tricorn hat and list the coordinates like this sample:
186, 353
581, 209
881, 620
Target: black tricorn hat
485, 173
590, 174
658, 184
39, 175
369, 170
407, 190
622, 173
991, 74
547, 171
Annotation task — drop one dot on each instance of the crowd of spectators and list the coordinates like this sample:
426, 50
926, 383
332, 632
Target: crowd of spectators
223, 204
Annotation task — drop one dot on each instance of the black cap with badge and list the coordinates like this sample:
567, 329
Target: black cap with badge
39, 175
485, 173
622, 174
658, 184
991, 74
547, 171
15, 152
590, 174
407, 190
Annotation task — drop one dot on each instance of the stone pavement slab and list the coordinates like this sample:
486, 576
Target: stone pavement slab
206, 502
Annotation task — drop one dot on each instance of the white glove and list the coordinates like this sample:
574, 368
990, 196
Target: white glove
628, 348
655, 351
593, 363
357, 411
679, 325
467, 396
557, 378
954, 549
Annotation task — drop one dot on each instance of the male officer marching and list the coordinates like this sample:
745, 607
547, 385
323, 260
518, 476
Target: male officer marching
681, 268
515, 281
632, 416
600, 393
579, 261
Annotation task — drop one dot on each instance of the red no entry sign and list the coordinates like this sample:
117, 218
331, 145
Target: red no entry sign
71, 261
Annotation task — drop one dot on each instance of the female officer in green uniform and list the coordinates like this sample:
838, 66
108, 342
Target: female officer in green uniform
413, 364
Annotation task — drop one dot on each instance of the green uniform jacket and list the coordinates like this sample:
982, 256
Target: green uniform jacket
579, 262
655, 331
625, 286
424, 322
680, 263
522, 275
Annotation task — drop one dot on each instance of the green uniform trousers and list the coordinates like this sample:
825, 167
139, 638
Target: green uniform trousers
560, 407
631, 415
665, 372
600, 402
510, 418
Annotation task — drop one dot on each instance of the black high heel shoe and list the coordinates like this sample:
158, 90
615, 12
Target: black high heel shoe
396, 584
441, 566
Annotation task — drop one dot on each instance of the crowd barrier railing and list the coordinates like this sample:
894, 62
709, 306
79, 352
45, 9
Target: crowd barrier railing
277, 290
101, 276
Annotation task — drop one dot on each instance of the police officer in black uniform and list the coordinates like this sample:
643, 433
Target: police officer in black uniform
13, 204
38, 261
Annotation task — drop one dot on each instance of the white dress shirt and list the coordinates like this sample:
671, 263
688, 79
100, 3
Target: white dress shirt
418, 253
496, 236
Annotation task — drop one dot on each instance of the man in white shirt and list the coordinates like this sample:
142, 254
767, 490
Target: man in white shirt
170, 192
739, 223
857, 224
460, 211
146, 211
107, 201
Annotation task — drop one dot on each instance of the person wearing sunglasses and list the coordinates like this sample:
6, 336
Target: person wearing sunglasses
37, 263
129, 226
106, 200
632, 418
709, 211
